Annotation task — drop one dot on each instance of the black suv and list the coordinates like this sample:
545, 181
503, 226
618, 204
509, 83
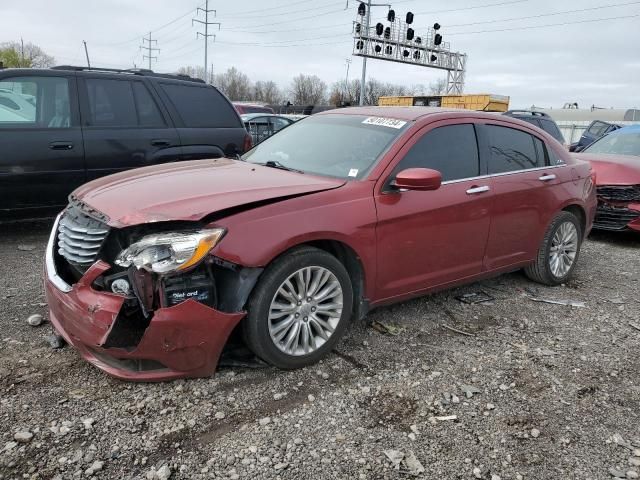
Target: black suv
539, 119
64, 126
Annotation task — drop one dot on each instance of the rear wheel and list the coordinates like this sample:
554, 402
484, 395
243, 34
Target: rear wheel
559, 251
299, 308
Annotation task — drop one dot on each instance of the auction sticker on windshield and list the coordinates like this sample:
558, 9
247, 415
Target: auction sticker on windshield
385, 122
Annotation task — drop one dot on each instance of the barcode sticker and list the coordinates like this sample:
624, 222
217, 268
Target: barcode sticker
385, 122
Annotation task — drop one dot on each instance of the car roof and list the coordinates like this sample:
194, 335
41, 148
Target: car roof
250, 116
409, 113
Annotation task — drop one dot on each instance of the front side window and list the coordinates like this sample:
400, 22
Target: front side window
625, 143
35, 102
111, 103
512, 150
452, 150
335, 145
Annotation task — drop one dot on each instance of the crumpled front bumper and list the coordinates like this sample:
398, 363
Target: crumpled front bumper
184, 340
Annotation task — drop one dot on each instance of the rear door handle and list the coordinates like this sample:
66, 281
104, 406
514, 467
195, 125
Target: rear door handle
61, 145
160, 142
474, 190
547, 178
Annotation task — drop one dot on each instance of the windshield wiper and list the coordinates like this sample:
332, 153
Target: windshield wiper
281, 166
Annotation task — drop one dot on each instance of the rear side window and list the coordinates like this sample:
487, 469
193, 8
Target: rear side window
511, 150
452, 150
201, 106
148, 113
111, 103
552, 129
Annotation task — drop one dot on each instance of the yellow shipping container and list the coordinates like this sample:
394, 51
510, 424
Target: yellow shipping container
479, 102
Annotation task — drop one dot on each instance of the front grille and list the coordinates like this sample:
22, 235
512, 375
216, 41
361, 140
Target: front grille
624, 193
609, 217
80, 237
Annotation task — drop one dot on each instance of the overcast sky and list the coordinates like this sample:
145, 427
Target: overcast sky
593, 62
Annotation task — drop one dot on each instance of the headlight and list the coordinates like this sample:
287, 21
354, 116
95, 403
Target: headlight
170, 252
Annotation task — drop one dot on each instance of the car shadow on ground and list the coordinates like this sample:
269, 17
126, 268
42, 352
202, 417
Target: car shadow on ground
627, 239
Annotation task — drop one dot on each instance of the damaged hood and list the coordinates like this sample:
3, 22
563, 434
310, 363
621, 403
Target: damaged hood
613, 169
192, 190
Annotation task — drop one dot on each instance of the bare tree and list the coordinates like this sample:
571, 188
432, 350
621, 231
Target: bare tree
439, 87
267, 92
308, 90
234, 84
25, 55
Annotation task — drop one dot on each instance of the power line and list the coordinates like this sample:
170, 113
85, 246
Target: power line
276, 7
243, 17
543, 15
206, 33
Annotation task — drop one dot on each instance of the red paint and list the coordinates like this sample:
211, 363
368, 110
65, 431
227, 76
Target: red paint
408, 243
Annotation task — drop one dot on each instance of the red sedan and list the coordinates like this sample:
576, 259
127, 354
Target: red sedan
149, 271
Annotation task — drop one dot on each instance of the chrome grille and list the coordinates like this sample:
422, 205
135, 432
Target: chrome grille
80, 237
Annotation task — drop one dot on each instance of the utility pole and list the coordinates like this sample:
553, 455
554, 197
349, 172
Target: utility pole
86, 52
206, 33
346, 80
21, 52
147, 45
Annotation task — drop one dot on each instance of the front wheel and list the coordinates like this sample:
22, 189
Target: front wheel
559, 251
299, 308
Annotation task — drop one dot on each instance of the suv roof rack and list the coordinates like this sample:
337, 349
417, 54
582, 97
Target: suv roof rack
528, 112
130, 71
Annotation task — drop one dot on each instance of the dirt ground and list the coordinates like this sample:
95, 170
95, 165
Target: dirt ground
439, 389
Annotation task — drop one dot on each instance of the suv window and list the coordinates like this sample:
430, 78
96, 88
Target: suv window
201, 106
111, 103
452, 150
512, 150
148, 113
552, 129
38, 102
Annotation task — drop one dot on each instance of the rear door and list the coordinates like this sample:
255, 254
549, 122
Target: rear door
435, 237
208, 125
41, 149
124, 126
524, 199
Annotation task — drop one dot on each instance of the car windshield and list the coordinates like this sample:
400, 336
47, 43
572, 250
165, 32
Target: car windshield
619, 143
335, 145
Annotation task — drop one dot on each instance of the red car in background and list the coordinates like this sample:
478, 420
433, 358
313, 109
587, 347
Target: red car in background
243, 108
148, 272
615, 158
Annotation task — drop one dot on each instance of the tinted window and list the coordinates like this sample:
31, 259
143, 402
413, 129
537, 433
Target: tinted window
511, 150
452, 150
541, 151
552, 129
111, 103
201, 106
279, 123
38, 102
148, 113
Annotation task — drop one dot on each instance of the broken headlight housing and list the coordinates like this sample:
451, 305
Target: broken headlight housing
170, 252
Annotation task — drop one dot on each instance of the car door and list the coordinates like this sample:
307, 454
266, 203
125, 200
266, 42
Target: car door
41, 149
123, 126
523, 202
431, 238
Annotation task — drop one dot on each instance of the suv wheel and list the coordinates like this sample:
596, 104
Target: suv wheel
559, 251
299, 308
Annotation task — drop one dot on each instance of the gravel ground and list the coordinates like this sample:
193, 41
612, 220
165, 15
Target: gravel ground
513, 389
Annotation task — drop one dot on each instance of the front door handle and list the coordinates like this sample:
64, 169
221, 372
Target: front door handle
547, 178
474, 190
61, 146
160, 142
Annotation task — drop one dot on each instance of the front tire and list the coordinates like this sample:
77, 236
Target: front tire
299, 309
559, 251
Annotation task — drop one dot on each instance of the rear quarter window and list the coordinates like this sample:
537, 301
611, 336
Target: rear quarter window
200, 106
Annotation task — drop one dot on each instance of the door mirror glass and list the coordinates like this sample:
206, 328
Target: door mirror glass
418, 179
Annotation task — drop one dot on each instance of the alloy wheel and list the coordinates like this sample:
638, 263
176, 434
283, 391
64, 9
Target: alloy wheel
564, 248
305, 310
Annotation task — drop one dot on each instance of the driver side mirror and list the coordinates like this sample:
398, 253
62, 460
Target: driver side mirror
418, 179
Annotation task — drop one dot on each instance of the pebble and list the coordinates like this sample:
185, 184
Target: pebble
264, 421
311, 398
278, 396
477, 472
88, 423
617, 473
95, 467
535, 433
632, 474
35, 320
163, 473
634, 461
281, 466
219, 415
23, 436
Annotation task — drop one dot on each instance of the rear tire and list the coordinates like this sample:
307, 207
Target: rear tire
558, 254
299, 309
